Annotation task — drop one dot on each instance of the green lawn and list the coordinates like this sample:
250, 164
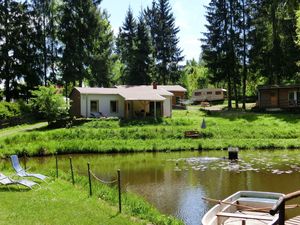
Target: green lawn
21, 128
246, 130
58, 203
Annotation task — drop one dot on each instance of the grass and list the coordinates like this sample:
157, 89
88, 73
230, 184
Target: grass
59, 202
246, 130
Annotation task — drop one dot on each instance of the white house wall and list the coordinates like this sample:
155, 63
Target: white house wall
168, 106
103, 103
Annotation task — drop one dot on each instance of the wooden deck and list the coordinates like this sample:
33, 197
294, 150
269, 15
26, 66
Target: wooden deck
293, 221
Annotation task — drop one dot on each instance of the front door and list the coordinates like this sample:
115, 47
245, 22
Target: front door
273, 99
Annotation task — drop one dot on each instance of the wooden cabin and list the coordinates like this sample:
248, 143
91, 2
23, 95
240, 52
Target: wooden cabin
279, 96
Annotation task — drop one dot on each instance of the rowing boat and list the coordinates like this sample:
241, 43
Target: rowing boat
243, 208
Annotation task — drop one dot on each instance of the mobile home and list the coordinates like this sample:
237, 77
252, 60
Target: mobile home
208, 95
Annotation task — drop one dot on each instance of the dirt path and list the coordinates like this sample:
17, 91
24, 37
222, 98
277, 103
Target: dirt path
18, 129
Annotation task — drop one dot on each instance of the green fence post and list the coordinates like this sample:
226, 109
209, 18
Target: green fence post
72, 173
56, 164
90, 181
119, 187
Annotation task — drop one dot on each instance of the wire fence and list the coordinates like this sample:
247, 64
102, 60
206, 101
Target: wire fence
103, 181
92, 175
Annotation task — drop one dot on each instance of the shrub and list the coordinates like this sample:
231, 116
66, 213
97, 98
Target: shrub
9, 110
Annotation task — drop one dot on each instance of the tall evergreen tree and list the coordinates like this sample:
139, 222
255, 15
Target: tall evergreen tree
218, 47
164, 32
126, 46
101, 51
143, 56
18, 60
46, 25
86, 37
273, 53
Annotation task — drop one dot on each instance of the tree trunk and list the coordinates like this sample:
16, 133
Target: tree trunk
244, 57
6, 56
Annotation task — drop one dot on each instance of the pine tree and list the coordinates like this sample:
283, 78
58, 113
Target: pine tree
126, 46
218, 51
102, 44
18, 59
274, 54
163, 31
46, 25
143, 60
87, 41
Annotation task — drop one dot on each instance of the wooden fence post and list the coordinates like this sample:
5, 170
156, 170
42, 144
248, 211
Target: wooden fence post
90, 181
282, 214
119, 187
72, 173
56, 164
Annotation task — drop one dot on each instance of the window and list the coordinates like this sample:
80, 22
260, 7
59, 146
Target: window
294, 98
291, 98
209, 92
197, 93
94, 106
218, 92
177, 100
113, 106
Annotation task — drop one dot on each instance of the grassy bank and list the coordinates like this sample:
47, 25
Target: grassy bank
242, 129
59, 202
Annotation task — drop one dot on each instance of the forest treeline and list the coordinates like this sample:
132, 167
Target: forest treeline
71, 42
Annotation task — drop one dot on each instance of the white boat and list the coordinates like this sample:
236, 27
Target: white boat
244, 208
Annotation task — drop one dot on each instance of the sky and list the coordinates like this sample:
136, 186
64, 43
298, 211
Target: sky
189, 17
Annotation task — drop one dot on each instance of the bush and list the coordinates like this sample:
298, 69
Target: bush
9, 110
49, 103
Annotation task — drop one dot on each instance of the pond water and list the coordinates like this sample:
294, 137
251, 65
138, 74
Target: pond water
176, 182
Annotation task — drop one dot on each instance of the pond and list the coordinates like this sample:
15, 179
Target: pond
176, 182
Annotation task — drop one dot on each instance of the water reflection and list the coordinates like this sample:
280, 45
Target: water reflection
176, 182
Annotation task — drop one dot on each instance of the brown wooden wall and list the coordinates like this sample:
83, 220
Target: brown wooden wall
275, 98
179, 94
75, 109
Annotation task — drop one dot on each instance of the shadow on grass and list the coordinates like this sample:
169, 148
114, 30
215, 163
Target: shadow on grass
10, 188
140, 122
251, 116
116, 215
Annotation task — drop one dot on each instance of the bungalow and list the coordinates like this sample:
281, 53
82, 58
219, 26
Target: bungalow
123, 102
279, 96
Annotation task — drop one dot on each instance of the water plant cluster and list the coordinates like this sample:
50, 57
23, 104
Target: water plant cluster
245, 130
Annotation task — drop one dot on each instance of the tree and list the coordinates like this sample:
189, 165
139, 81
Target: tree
143, 57
126, 46
218, 51
49, 103
195, 76
46, 25
18, 61
101, 59
163, 32
298, 27
87, 41
273, 54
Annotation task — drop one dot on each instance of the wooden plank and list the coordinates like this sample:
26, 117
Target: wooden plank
245, 216
293, 221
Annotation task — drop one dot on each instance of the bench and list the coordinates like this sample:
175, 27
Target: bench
245, 216
192, 134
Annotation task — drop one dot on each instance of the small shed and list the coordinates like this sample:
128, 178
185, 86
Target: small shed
279, 96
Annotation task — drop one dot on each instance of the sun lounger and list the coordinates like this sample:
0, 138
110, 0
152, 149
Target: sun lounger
21, 172
5, 180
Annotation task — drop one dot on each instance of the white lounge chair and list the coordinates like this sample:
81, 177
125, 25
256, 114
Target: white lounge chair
5, 180
21, 172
